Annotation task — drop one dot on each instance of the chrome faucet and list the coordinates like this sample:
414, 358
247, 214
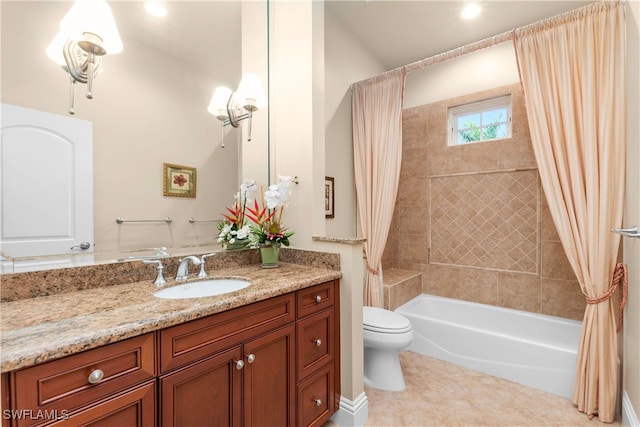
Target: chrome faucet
183, 268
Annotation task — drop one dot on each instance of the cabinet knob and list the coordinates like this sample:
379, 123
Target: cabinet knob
251, 358
318, 298
318, 342
95, 376
239, 364
318, 402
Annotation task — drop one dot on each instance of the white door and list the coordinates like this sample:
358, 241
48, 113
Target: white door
46, 183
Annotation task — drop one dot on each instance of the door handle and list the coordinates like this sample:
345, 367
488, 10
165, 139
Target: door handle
84, 246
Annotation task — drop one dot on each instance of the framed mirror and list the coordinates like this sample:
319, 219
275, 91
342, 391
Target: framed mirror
149, 108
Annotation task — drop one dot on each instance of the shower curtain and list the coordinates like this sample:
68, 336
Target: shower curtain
377, 145
573, 77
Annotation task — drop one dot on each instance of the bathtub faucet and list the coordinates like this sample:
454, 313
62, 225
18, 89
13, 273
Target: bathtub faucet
183, 268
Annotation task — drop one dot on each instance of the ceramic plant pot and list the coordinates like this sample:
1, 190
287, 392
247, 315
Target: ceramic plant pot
269, 255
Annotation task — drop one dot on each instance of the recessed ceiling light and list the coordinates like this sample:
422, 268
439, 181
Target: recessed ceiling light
471, 11
155, 8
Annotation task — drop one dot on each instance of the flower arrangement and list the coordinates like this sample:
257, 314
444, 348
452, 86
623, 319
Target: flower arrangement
267, 228
233, 230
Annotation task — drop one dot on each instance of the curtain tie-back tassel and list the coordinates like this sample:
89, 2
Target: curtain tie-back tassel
620, 276
372, 270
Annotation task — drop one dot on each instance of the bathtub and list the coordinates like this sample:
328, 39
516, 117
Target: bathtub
527, 348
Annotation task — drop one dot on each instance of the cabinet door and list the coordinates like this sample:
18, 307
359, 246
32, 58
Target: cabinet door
208, 393
269, 379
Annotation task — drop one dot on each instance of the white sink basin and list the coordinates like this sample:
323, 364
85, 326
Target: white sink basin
205, 288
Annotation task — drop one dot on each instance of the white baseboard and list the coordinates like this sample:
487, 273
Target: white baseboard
352, 413
629, 418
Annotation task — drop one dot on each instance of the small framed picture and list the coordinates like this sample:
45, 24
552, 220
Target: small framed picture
178, 181
328, 197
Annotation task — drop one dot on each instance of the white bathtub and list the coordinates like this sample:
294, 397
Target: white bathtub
527, 348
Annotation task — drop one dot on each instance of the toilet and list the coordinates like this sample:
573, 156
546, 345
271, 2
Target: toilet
385, 334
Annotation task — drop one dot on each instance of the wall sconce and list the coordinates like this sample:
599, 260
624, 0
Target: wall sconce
87, 32
233, 107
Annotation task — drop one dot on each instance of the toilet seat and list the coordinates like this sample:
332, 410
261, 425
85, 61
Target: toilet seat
383, 321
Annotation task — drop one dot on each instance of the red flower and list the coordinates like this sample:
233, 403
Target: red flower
236, 215
180, 180
259, 216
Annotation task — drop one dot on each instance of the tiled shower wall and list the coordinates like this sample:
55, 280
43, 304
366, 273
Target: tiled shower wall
473, 219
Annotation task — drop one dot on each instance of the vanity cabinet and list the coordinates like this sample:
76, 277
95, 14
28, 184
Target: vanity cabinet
247, 377
270, 363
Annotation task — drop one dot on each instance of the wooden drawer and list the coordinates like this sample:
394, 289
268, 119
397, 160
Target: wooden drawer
191, 341
316, 298
135, 408
63, 384
315, 342
315, 398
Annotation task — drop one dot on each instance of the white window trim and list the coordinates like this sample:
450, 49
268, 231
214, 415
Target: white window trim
477, 107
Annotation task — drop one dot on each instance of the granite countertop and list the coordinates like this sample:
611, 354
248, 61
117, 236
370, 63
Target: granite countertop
40, 329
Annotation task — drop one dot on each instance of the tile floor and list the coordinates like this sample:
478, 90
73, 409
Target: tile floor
443, 394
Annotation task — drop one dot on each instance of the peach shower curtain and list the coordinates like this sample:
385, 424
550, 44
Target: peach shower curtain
573, 77
377, 144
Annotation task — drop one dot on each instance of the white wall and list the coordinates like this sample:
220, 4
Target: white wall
255, 153
346, 62
295, 116
631, 334
485, 69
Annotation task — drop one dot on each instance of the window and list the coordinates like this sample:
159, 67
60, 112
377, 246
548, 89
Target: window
485, 120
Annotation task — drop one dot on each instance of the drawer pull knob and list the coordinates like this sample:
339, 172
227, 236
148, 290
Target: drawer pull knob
318, 342
318, 298
318, 402
95, 376
239, 364
251, 358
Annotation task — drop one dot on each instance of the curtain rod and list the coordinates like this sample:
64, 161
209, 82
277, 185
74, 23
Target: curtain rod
497, 39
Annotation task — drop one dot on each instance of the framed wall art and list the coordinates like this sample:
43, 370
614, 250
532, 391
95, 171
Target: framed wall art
178, 181
329, 205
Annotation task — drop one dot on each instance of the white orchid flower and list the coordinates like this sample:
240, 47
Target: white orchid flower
277, 194
247, 189
272, 197
284, 187
243, 233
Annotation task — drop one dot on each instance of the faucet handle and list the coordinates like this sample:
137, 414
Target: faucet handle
159, 267
203, 272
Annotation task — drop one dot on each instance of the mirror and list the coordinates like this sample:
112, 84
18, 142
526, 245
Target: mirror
150, 108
